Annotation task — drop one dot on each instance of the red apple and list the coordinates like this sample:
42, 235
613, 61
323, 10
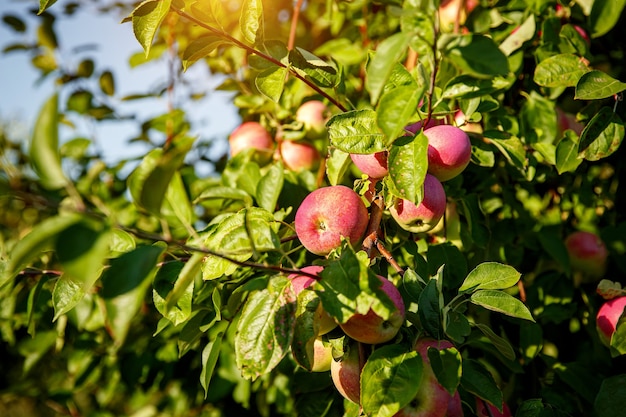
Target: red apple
432, 399
373, 165
313, 114
493, 410
371, 328
323, 321
449, 151
415, 127
299, 156
587, 254
329, 214
455, 406
346, 374
251, 135
427, 214
608, 316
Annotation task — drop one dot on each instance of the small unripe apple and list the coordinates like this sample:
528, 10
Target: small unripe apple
608, 316
329, 214
313, 114
587, 254
426, 215
299, 156
449, 151
373, 165
346, 374
323, 321
481, 411
322, 356
371, 328
432, 399
251, 135
466, 125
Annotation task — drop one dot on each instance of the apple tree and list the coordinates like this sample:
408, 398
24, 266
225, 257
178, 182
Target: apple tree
389, 233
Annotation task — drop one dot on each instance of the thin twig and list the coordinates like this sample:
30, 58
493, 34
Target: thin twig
294, 24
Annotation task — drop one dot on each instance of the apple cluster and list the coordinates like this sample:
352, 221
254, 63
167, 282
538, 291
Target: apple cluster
449, 153
297, 155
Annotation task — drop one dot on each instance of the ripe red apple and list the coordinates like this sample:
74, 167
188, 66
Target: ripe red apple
313, 114
328, 214
427, 214
373, 165
608, 316
449, 151
346, 374
587, 254
455, 406
251, 135
323, 321
371, 328
493, 410
299, 156
432, 399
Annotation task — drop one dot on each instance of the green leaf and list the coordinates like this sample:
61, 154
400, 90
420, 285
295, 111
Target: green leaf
408, 165
388, 53
173, 288
595, 85
393, 377
512, 148
313, 68
477, 55
348, 286
604, 16
81, 249
265, 329
224, 193
618, 339
147, 18
465, 86
602, 136
478, 381
501, 302
210, 355
457, 326
149, 182
611, 396
124, 285
562, 70
107, 83
34, 349
503, 346
238, 236
567, 159
475, 219
44, 146
523, 33
39, 239
446, 365
490, 276
337, 164
304, 329
44, 5
251, 21
176, 207
356, 132
271, 82
270, 186
429, 308
397, 108
200, 48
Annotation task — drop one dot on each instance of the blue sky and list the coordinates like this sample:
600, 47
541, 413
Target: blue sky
21, 94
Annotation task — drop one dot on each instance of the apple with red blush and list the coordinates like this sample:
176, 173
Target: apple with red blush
346, 373
370, 327
608, 316
252, 135
299, 282
424, 216
313, 114
449, 151
373, 165
298, 155
587, 254
482, 407
327, 215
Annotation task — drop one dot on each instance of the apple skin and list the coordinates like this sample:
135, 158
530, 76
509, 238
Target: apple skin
415, 127
299, 156
449, 13
608, 316
370, 328
313, 114
432, 399
373, 165
325, 323
465, 125
587, 254
455, 406
346, 374
449, 151
322, 356
493, 410
328, 214
425, 216
251, 135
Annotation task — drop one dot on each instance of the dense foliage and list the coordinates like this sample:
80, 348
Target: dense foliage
165, 292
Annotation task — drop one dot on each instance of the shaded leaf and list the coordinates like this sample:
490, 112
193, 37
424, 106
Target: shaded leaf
595, 85
44, 146
602, 136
